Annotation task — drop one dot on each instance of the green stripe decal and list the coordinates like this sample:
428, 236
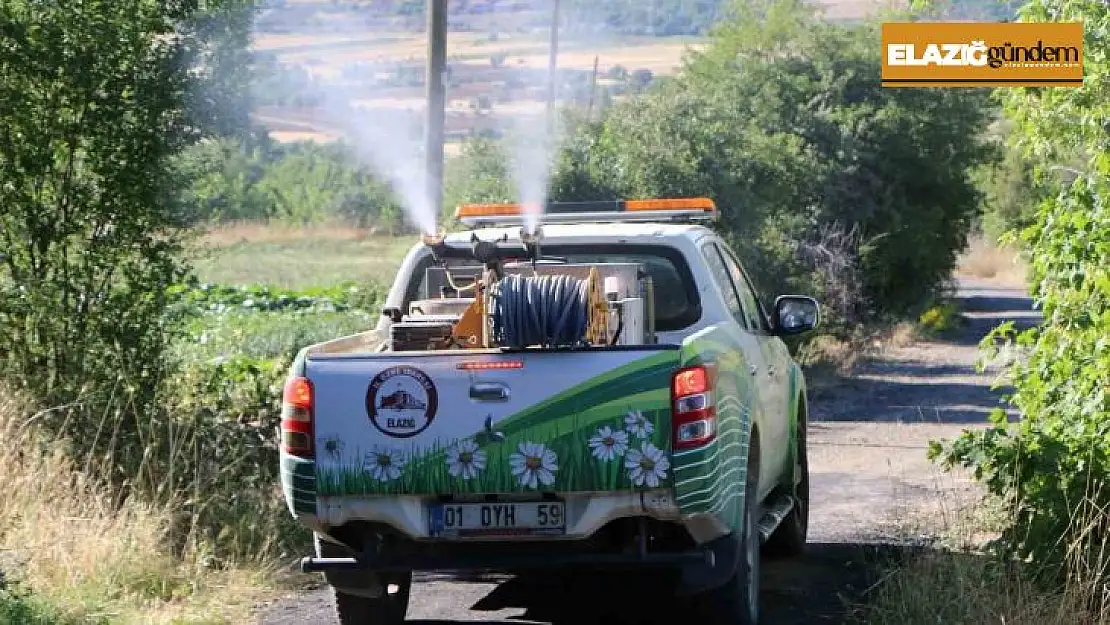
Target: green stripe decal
298, 483
711, 480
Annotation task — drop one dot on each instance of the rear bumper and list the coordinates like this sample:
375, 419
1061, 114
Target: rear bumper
503, 562
586, 513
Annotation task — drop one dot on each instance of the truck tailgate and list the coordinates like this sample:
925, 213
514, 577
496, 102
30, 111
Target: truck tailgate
464, 422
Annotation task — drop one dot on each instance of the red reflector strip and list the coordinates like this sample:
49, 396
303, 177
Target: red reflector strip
479, 365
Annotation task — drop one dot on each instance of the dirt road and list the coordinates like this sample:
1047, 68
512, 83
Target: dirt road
869, 476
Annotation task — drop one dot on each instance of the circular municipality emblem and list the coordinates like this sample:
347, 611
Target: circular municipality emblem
401, 402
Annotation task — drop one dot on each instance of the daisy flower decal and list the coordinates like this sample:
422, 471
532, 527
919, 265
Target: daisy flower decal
533, 464
465, 460
384, 464
647, 466
608, 444
332, 446
637, 424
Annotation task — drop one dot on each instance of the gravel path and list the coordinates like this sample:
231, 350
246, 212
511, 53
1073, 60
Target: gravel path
869, 478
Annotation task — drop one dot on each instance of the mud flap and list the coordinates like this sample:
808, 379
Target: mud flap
699, 577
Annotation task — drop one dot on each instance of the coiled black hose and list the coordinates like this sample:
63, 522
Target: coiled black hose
549, 311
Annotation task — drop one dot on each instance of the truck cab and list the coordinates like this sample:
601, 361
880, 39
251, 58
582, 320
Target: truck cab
606, 389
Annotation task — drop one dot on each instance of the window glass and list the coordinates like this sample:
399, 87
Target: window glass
720, 273
752, 308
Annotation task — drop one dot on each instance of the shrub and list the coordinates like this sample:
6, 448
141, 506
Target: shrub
1053, 467
97, 94
294, 183
939, 318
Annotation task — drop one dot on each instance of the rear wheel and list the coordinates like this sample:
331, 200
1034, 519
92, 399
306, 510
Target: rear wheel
388, 609
789, 538
736, 602
354, 609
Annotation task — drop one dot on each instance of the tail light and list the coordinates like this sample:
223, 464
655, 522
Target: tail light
296, 417
694, 412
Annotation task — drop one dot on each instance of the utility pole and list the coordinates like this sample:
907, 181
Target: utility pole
437, 102
552, 64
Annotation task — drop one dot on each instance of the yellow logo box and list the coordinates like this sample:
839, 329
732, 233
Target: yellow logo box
982, 54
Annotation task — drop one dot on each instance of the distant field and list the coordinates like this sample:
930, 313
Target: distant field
350, 56
339, 48
293, 257
326, 58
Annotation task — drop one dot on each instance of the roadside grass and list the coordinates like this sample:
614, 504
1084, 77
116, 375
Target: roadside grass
987, 259
298, 257
88, 558
829, 358
961, 578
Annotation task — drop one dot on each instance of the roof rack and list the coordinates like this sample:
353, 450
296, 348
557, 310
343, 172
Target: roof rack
697, 209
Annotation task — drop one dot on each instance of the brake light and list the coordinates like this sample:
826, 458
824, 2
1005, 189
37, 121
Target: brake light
296, 417
694, 411
483, 365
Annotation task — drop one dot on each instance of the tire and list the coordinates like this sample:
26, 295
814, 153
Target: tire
789, 538
389, 609
736, 602
350, 609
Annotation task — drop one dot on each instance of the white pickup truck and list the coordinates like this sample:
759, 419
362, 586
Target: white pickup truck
607, 390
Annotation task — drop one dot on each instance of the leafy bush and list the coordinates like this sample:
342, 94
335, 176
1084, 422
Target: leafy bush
939, 318
305, 182
1053, 466
220, 299
19, 607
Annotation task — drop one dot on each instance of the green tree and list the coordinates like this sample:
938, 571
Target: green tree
478, 174
1053, 467
94, 102
782, 120
221, 99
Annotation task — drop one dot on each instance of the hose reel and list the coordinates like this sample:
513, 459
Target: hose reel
548, 311
518, 311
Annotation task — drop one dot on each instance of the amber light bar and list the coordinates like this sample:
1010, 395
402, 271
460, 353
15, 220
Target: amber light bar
483, 365
654, 209
682, 203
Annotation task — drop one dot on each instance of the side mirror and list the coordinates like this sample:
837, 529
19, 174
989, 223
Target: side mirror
796, 314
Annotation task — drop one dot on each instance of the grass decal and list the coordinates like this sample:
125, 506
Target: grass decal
523, 461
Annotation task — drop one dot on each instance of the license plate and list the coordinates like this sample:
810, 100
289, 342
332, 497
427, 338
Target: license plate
532, 518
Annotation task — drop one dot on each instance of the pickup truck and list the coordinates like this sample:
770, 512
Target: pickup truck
604, 390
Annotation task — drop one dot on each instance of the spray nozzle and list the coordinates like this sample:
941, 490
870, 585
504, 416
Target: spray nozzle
531, 242
437, 245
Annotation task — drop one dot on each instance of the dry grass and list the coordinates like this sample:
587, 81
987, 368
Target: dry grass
61, 536
827, 359
959, 581
299, 256
262, 232
661, 58
984, 259
902, 334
